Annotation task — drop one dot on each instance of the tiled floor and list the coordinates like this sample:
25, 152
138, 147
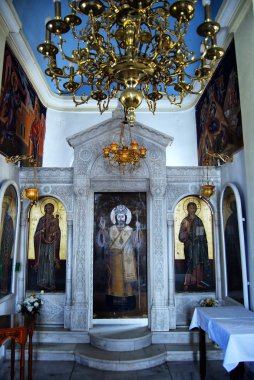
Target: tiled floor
53, 370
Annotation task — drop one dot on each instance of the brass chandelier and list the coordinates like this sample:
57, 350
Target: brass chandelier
130, 49
124, 155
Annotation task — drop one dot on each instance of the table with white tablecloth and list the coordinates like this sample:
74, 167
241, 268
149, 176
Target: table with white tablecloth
231, 328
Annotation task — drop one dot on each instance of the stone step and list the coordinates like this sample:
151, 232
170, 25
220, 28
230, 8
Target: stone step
94, 357
120, 338
57, 334
114, 337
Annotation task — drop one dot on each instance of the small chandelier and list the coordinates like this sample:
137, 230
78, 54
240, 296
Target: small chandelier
129, 49
207, 190
123, 156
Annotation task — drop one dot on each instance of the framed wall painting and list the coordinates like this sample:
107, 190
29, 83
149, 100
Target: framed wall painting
47, 245
9, 223
218, 112
194, 246
120, 255
22, 115
232, 229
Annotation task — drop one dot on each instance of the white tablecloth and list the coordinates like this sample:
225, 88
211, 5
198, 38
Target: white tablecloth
232, 328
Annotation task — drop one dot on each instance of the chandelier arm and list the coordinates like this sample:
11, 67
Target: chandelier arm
151, 104
83, 100
65, 56
76, 9
103, 105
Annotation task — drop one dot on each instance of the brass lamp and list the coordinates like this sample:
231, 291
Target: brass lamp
128, 49
207, 190
123, 155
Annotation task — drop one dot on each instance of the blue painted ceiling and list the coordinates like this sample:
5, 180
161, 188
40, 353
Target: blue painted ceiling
33, 14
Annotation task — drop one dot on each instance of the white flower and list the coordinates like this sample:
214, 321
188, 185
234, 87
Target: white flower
30, 308
36, 304
19, 307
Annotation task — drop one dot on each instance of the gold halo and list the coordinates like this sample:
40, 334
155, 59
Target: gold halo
46, 200
193, 199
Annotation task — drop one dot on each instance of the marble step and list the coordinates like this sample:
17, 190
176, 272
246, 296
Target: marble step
94, 357
120, 338
115, 337
57, 334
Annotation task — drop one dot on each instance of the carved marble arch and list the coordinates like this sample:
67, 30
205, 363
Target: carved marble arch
47, 246
233, 246
9, 235
194, 255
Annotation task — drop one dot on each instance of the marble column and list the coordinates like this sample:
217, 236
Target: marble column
218, 257
171, 255
159, 257
68, 299
81, 258
23, 245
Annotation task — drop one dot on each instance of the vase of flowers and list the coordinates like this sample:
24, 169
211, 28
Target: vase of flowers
209, 302
30, 306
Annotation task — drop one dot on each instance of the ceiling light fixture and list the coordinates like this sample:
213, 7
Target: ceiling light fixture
131, 49
123, 156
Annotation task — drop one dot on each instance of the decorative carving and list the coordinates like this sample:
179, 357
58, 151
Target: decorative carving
174, 193
158, 254
53, 309
85, 154
158, 187
65, 194
46, 175
79, 318
81, 186
101, 168
46, 189
160, 319
191, 174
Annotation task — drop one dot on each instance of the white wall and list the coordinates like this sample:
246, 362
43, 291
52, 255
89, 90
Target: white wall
235, 173
245, 58
59, 126
181, 125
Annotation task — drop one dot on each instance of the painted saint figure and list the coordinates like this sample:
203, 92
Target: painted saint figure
119, 242
6, 247
192, 234
46, 247
36, 130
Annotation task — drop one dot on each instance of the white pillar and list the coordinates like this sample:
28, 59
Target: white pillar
21, 278
159, 257
81, 260
68, 290
171, 255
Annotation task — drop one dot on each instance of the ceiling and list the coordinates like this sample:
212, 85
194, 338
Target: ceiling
32, 14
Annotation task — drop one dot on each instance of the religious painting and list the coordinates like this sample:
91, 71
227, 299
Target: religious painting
120, 256
218, 113
234, 244
47, 242
8, 225
194, 253
22, 115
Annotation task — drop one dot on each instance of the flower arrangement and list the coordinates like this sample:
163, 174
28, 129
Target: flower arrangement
209, 302
31, 305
